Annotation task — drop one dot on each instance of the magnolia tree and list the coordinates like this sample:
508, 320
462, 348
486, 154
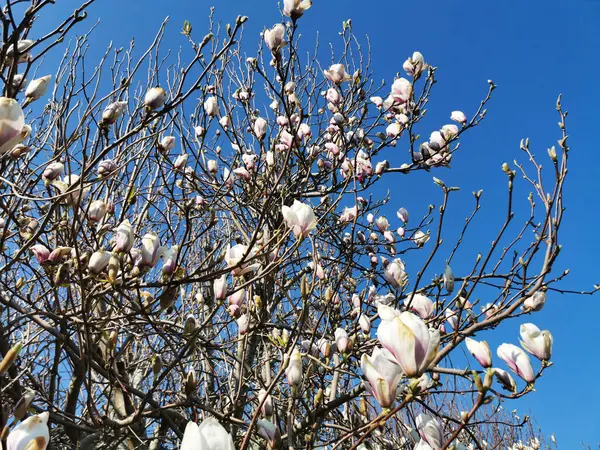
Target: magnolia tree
195, 254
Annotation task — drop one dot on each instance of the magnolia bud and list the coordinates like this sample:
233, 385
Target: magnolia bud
96, 211
99, 261
113, 112
166, 144
53, 171
106, 168
155, 98
211, 106
10, 357
37, 88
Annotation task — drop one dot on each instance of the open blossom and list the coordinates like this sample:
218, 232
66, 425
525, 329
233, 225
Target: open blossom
209, 435
407, 337
155, 98
536, 342
480, 351
458, 116
419, 304
348, 214
394, 273
382, 376
430, 430
233, 258
336, 73
37, 88
13, 130
420, 238
295, 8
31, 434
535, 302
300, 218
517, 360
414, 65
401, 91
274, 38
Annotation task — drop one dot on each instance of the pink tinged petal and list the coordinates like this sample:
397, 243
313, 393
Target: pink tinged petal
517, 360
399, 339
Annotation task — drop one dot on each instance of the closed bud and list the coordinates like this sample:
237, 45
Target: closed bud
37, 88
155, 98
112, 112
10, 357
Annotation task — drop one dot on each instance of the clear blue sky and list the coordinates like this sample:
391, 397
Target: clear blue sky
533, 50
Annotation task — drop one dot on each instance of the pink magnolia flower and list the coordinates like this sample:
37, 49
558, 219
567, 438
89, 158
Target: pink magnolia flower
155, 98
150, 249
401, 91
41, 253
211, 106
293, 372
260, 128
295, 8
535, 302
234, 256
274, 38
505, 379
536, 342
300, 218
342, 342
382, 376
414, 65
112, 112
419, 304
411, 342
348, 214
430, 430
394, 273
124, 237
336, 74
220, 287
480, 351
517, 360
458, 116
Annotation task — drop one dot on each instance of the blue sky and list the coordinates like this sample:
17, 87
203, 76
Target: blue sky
533, 51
